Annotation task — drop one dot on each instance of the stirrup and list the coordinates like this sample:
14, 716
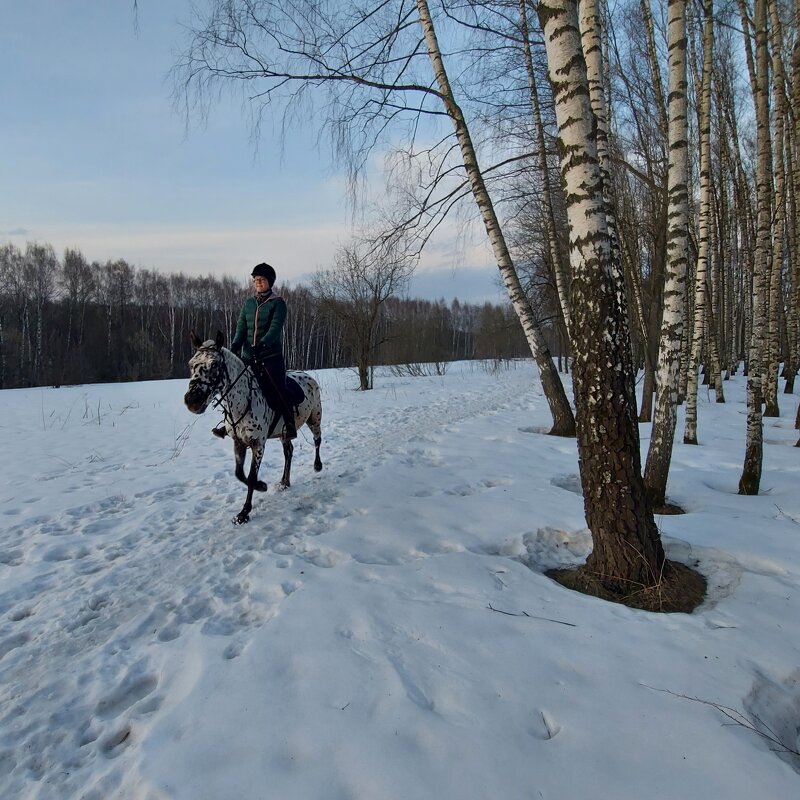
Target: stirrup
219, 431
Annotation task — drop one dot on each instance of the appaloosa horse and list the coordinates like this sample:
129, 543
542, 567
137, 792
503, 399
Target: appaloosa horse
214, 371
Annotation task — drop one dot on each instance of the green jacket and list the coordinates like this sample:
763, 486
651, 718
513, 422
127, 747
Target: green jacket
258, 331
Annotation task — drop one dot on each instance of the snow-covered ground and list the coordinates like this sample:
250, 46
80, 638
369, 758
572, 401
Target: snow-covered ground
342, 644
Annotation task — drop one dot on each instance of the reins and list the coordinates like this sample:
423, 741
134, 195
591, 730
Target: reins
218, 402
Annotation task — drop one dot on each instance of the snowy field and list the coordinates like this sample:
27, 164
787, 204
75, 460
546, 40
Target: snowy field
342, 646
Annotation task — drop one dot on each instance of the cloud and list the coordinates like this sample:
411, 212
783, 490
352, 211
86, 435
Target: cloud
16, 232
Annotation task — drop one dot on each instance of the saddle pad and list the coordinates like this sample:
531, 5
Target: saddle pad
294, 392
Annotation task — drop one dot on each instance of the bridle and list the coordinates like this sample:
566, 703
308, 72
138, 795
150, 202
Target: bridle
217, 402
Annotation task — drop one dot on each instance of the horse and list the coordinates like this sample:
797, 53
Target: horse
216, 372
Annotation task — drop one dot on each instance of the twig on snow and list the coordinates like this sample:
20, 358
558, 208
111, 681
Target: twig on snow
530, 616
736, 717
788, 516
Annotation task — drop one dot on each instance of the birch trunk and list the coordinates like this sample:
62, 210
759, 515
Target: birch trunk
659, 453
556, 256
793, 296
794, 222
701, 270
563, 418
627, 548
775, 289
750, 480
591, 32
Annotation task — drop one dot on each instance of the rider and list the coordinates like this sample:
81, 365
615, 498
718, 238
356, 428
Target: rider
258, 339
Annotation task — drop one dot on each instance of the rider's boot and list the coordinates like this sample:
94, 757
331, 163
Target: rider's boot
289, 429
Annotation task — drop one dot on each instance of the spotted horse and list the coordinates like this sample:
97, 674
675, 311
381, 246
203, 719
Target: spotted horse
217, 375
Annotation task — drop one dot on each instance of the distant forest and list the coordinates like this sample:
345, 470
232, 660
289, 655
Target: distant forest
67, 321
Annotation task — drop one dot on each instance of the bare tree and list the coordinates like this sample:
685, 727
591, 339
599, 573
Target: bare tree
365, 274
41, 277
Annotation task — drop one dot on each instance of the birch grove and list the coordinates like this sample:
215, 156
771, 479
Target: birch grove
635, 175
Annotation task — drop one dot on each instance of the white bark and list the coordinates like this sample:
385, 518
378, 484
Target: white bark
669, 351
701, 271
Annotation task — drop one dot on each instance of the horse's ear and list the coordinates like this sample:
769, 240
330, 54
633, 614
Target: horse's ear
220, 340
196, 340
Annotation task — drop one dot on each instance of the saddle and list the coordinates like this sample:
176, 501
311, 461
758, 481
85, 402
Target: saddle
294, 392
294, 397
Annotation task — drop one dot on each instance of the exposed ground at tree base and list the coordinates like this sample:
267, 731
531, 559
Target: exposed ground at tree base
668, 510
681, 589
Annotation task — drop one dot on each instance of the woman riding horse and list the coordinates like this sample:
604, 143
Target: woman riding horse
258, 340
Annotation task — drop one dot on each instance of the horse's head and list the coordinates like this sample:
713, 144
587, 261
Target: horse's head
206, 372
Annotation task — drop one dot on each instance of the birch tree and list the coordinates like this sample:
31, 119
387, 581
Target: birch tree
659, 454
627, 548
750, 480
775, 288
701, 269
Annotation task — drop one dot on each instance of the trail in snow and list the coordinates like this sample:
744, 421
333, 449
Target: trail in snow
99, 584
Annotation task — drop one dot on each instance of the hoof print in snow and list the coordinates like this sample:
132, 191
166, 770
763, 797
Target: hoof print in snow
113, 744
233, 650
132, 689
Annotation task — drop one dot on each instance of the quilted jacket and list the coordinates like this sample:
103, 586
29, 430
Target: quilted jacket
258, 331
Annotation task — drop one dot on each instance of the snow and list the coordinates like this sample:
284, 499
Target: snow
343, 644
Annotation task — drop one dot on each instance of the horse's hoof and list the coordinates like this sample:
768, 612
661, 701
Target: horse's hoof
317, 466
241, 519
261, 486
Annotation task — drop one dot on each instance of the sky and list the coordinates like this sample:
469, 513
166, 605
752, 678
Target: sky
95, 156
384, 629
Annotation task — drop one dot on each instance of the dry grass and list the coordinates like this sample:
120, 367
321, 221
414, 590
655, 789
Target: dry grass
680, 589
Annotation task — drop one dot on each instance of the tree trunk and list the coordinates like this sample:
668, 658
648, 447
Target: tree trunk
775, 289
690, 430
750, 480
556, 256
659, 453
627, 548
563, 418
794, 221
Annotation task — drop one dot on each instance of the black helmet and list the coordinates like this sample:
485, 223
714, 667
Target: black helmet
264, 271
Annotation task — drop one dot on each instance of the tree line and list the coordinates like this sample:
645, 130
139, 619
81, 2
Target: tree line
66, 320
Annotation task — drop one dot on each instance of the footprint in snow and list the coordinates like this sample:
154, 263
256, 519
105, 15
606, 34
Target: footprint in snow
133, 688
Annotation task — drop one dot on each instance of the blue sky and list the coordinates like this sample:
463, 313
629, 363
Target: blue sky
96, 157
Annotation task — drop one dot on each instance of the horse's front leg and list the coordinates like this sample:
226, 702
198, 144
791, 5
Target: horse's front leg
253, 484
239, 451
288, 449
